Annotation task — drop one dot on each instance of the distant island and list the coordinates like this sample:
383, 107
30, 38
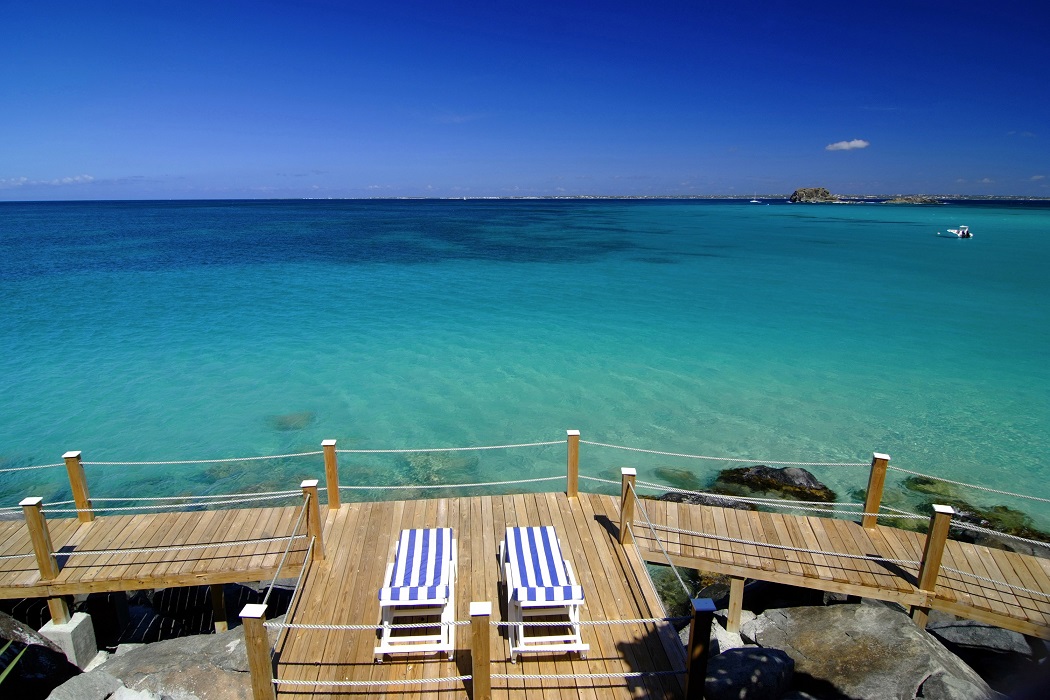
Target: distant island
820, 195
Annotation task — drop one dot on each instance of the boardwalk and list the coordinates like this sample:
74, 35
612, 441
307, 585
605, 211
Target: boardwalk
957, 593
342, 590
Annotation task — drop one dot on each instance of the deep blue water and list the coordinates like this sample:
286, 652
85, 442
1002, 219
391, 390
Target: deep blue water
196, 330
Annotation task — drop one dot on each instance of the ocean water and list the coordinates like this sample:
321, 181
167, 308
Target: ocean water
161, 331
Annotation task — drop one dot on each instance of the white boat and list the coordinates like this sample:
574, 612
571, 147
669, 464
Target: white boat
755, 200
961, 232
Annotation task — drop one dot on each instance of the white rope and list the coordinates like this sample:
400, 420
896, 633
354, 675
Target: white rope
453, 486
292, 492
729, 459
903, 562
744, 499
975, 528
995, 583
972, 486
377, 626
178, 548
116, 509
25, 469
584, 623
359, 684
287, 548
571, 676
638, 502
294, 601
449, 449
200, 461
603, 481
15, 556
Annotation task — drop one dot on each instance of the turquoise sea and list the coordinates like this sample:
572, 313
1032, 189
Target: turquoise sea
161, 331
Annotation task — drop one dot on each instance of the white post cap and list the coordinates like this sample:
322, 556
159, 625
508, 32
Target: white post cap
74, 454
570, 433
628, 471
308, 483
327, 443
253, 610
946, 510
31, 501
480, 608
879, 455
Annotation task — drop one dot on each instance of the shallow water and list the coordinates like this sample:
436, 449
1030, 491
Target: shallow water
197, 330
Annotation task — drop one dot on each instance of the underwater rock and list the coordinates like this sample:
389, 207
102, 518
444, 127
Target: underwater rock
439, 467
678, 478
289, 422
792, 482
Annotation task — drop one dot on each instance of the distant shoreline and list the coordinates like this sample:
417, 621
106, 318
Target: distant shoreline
763, 198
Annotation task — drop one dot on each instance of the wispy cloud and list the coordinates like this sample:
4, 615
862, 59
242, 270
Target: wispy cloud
457, 118
1037, 177
11, 182
847, 145
1025, 134
986, 181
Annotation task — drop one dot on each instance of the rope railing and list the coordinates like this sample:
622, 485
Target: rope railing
638, 503
725, 459
287, 548
803, 550
5, 557
365, 684
995, 582
594, 623
168, 506
333, 627
180, 547
986, 531
6, 470
409, 450
595, 676
290, 492
972, 486
294, 602
223, 460
395, 487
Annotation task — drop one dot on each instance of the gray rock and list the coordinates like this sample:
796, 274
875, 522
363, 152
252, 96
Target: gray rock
125, 693
87, 686
42, 666
862, 652
941, 686
970, 634
812, 194
749, 672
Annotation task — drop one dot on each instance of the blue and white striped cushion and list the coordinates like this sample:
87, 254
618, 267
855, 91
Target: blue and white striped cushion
422, 567
538, 567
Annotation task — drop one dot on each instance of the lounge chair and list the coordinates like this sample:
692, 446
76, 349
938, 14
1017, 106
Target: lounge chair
539, 584
419, 587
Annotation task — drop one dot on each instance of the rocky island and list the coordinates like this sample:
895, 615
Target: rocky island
914, 199
810, 195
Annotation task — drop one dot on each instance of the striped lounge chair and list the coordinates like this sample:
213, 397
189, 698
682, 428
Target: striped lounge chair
419, 584
539, 585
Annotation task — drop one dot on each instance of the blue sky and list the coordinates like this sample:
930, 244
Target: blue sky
322, 98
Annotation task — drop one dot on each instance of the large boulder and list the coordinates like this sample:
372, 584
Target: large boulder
748, 672
36, 663
812, 194
865, 652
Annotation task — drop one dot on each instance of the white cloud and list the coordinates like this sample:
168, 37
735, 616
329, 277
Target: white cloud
6, 183
1038, 177
847, 145
987, 181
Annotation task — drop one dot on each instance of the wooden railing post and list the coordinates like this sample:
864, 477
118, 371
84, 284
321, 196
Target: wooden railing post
627, 477
736, 604
314, 527
44, 550
876, 481
572, 488
699, 647
480, 655
930, 566
257, 644
331, 473
78, 483
218, 607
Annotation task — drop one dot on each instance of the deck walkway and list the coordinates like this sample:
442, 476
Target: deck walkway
1008, 607
361, 538
91, 573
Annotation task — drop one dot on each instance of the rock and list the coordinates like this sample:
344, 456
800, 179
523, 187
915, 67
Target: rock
87, 686
749, 672
40, 669
212, 666
725, 639
1001, 657
788, 481
125, 693
812, 194
914, 199
941, 686
700, 499
863, 652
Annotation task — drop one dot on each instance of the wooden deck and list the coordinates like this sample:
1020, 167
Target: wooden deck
91, 573
359, 541
958, 594
361, 538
